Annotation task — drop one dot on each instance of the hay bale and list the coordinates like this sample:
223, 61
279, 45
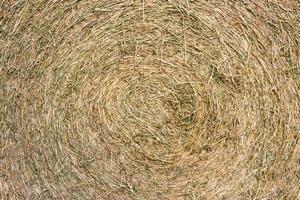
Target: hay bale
149, 99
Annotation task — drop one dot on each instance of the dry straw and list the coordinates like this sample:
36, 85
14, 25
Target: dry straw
109, 99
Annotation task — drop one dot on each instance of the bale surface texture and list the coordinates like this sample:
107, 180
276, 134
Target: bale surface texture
148, 99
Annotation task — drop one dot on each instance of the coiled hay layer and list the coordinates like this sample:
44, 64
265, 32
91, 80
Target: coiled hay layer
149, 99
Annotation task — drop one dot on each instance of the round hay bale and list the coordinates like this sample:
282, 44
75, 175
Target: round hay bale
176, 99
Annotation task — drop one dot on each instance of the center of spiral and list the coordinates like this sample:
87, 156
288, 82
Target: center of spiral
154, 111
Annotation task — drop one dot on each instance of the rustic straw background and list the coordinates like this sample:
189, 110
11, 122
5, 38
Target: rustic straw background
149, 99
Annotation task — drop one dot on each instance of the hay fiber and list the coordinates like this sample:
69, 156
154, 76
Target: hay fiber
149, 99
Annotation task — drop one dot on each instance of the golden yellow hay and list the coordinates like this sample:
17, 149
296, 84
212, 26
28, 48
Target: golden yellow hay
170, 99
